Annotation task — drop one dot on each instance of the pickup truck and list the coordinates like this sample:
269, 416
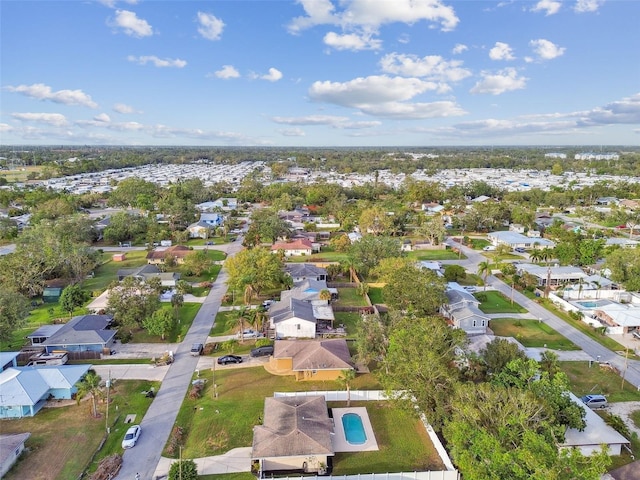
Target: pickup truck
197, 349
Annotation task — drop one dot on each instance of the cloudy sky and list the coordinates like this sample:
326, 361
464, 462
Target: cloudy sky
320, 72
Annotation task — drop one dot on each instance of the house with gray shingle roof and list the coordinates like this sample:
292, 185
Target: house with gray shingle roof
295, 435
300, 272
147, 272
312, 359
11, 446
83, 333
292, 318
462, 312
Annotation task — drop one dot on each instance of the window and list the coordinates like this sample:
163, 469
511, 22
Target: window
298, 326
474, 323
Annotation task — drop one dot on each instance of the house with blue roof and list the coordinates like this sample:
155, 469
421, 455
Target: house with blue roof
25, 390
83, 333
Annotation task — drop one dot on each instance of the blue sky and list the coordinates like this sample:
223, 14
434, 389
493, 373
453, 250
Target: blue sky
320, 72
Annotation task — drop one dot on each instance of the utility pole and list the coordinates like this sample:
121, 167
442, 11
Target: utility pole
626, 363
106, 421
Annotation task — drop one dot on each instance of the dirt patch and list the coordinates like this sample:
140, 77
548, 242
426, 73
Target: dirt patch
624, 410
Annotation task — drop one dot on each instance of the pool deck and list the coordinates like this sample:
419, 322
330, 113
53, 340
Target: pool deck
340, 443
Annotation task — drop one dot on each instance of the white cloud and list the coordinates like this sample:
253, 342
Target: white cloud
292, 132
432, 67
5, 127
54, 119
102, 117
383, 96
131, 24
158, 62
210, 27
273, 76
43, 92
328, 120
501, 51
352, 41
372, 14
226, 72
546, 50
112, 3
586, 6
459, 48
504, 81
123, 108
625, 111
551, 7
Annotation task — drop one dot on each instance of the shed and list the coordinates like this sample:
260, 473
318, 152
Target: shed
119, 257
11, 446
51, 294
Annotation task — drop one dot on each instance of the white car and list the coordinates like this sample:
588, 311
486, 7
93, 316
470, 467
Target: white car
489, 248
131, 437
249, 334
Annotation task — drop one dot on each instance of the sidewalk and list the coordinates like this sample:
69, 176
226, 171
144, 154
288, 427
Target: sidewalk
236, 460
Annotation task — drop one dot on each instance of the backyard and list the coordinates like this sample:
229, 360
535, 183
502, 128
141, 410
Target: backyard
213, 426
531, 333
56, 434
586, 377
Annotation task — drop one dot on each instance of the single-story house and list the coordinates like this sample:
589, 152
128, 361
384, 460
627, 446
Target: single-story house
43, 333
292, 318
312, 359
224, 203
8, 360
199, 230
83, 333
518, 240
620, 318
11, 446
555, 275
177, 252
146, 272
295, 436
300, 272
25, 390
595, 434
621, 242
295, 248
462, 312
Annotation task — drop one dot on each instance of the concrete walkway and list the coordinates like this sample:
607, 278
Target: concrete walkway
131, 372
233, 461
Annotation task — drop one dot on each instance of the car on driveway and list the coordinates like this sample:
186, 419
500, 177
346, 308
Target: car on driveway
489, 248
595, 401
197, 349
131, 437
262, 351
229, 359
249, 334
470, 288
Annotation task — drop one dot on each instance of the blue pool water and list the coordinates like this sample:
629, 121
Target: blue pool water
593, 304
353, 429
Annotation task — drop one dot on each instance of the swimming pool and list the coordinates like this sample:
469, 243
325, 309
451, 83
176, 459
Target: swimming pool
593, 304
353, 429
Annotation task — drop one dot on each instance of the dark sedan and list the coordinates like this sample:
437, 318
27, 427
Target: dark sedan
229, 359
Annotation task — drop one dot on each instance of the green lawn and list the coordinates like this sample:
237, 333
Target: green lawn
186, 314
531, 333
226, 323
635, 416
403, 443
350, 321
106, 272
348, 297
326, 255
496, 302
434, 255
595, 379
375, 295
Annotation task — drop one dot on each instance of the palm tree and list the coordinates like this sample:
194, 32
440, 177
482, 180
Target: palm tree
90, 385
547, 254
484, 269
345, 378
177, 300
325, 295
241, 317
536, 256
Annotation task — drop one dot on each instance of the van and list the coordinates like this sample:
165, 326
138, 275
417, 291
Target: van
262, 351
595, 401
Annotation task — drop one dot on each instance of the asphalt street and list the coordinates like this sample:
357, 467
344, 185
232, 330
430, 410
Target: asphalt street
160, 418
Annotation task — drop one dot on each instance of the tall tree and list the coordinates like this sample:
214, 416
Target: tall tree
161, 322
90, 385
72, 297
484, 269
132, 301
346, 378
375, 220
14, 310
370, 250
255, 267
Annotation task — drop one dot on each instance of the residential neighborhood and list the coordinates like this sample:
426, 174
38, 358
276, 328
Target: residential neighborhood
349, 326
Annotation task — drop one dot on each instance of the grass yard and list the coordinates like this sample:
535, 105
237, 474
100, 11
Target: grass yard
105, 274
214, 426
635, 416
375, 295
496, 302
350, 320
186, 314
56, 434
226, 323
595, 379
348, 297
531, 333
434, 255
403, 442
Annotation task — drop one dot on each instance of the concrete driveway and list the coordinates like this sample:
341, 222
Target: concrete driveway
131, 372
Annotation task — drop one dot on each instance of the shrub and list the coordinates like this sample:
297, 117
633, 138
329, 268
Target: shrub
175, 440
263, 342
196, 390
183, 470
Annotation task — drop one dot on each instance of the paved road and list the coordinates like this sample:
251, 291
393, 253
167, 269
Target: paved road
161, 416
588, 345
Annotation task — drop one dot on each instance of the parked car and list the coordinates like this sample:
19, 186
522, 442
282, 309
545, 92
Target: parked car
249, 334
470, 288
197, 349
519, 250
229, 359
262, 351
267, 303
131, 437
595, 401
489, 248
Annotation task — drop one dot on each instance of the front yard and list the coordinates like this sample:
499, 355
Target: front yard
64, 439
585, 379
492, 301
214, 426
